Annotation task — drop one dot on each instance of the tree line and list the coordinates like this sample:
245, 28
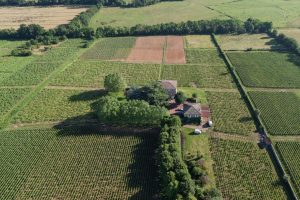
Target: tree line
216, 26
290, 43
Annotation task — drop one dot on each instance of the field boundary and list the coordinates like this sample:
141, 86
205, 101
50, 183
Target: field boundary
260, 126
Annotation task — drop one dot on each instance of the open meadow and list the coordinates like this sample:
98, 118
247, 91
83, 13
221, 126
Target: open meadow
47, 17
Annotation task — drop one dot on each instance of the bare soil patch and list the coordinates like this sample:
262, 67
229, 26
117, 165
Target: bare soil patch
48, 17
147, 50
175, 50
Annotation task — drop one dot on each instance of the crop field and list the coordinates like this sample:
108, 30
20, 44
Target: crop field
174, 52
160, 13
92, 73
48, 17
289, 153
279, 111
230, 113
292, 33
267, 69
9, 97
198, 75
206, 57
247, 41
243, 171
57, 105
77, 163
110, 49
199, 42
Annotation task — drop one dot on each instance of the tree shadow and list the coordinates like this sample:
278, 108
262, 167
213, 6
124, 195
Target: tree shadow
274, 45
88, 95
245, 119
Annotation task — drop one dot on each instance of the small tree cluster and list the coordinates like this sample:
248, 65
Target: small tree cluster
114, 83
138, 113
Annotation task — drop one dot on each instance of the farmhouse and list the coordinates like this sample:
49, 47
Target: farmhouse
191, 110
170, 86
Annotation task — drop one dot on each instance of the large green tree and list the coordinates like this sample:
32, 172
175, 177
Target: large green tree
114, 83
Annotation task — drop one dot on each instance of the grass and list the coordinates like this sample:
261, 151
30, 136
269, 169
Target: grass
189, 91
243, 171
160, 13
279, 111
199, 144
198, 75
289, 153
57, 105
199, 42
92, 73
77, 163
110, 49
230, 113
267, 69
247, 41
205, 57
292, 33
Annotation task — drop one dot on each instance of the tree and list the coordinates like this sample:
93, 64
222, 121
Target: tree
180, 97
114, 83
153, 94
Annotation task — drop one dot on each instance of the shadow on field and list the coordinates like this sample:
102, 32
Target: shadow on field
142, 172
294, 59
274, 45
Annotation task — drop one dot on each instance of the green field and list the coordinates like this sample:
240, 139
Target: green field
243, 171
110, 49
199, 42
204, 57
230, 113
267, 69
92, 73
77, 163
247, 41
289, 153
177, 11
57, 105
198, 75
279, 111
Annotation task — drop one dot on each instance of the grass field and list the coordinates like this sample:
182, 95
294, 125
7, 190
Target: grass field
91, 74
229, 113
77, 163
247, 41
189, 91
243, 171
292, 33
58, 105
48, 17
163, 12
289, 153
204, 57
199, 42
267, 69
198, 75
110, 49
279, 111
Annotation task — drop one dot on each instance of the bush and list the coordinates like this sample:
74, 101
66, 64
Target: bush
21, 52
114, 83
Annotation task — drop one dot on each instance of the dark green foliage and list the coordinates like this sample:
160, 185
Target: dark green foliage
114, 83
21, 52
30, 31
290, 43
180, 97
176, 182
138, 113
153, 94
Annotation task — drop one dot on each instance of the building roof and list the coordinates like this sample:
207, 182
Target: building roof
169, 84
191, 108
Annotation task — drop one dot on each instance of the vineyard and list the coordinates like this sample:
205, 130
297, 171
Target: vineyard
56, 105
267, 69
110, 49
244, 172
289, 152
198, 75
230, 113
92, 73
206, 57
78, 163
279, 111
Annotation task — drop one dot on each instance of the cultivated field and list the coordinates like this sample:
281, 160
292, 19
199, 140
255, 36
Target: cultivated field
77, 163
229, 113
48, 17
208, 57
174, 53
267, 69
279, 111
289, 153
243, 171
